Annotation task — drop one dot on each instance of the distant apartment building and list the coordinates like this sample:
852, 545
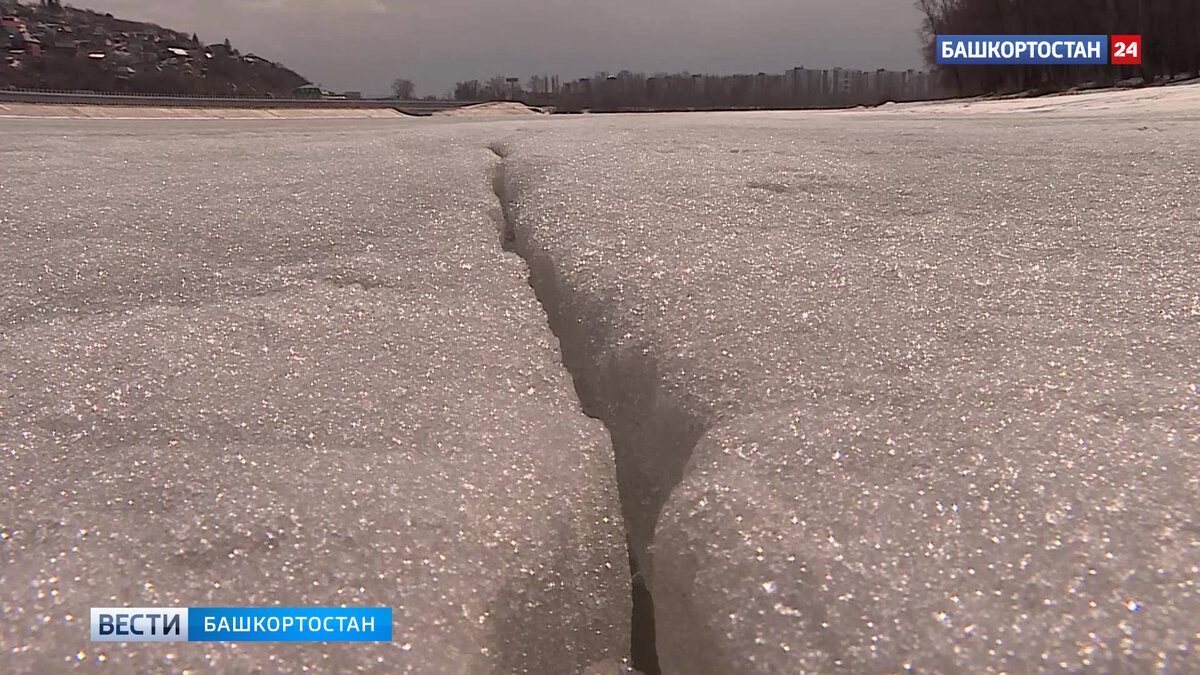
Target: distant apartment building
839, 86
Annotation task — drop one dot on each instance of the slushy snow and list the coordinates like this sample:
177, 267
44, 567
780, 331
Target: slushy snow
289, 366
904, 391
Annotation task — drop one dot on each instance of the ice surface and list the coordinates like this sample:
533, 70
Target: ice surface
911, 389
942, 369
289, 365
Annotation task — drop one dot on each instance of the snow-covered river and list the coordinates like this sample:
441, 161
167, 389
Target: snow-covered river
908, 389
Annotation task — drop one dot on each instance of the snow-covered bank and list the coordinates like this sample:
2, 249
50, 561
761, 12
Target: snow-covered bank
1175, 100
495, 109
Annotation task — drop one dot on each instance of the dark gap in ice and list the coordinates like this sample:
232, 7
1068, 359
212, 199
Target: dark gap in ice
507, 232
618, 400
643, 646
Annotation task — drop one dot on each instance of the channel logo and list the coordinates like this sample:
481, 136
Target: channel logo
144, 624
241, 624
1038, 49
1126, 50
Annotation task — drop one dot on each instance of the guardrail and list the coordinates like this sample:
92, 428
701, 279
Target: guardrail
193, 101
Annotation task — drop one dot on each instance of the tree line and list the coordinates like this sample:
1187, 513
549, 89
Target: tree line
626, 90
1170, 31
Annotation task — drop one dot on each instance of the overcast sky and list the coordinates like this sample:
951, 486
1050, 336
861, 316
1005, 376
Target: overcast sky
365, 44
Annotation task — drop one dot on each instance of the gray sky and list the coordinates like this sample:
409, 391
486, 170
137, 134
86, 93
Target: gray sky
365, 44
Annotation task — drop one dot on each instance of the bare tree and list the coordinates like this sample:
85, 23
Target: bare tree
467, 91
497, 88
402, 89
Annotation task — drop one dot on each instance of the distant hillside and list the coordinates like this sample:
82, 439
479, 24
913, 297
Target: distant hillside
48, 46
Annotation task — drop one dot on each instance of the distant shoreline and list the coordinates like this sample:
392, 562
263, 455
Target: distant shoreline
53, 98
113, 112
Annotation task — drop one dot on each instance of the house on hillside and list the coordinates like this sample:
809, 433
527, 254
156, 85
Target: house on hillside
62, 47
16, 39
308, 91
